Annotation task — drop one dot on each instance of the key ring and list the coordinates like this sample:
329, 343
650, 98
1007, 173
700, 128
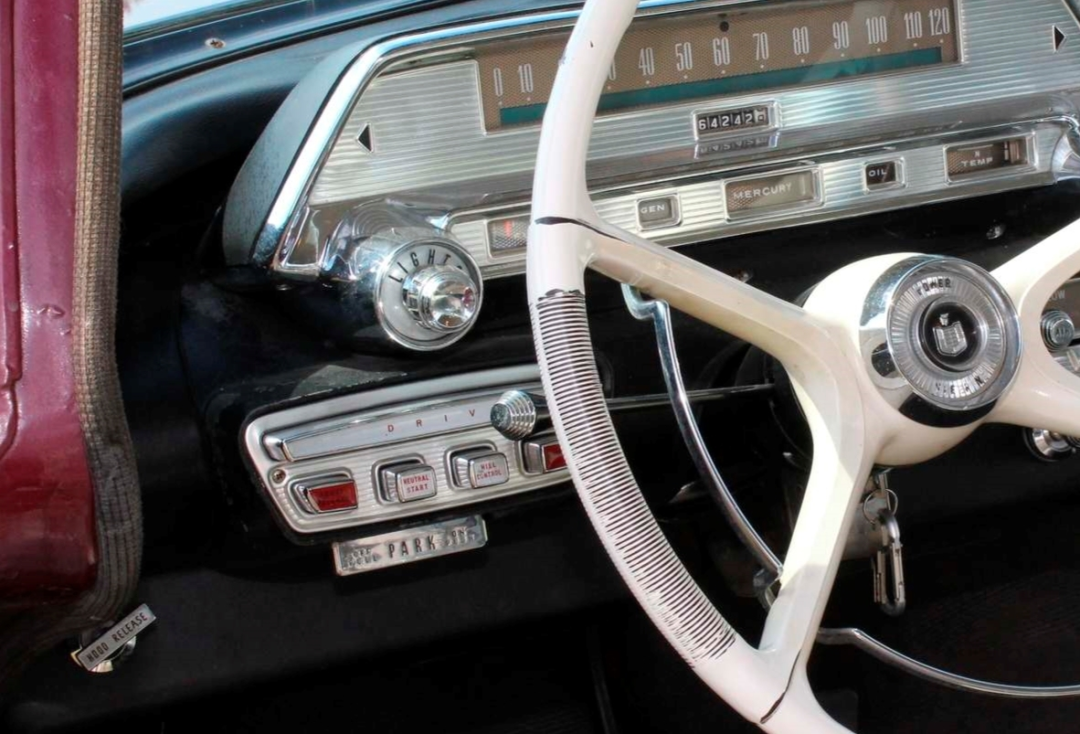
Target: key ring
892, 504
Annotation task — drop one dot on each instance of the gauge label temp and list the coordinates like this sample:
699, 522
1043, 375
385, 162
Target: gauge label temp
965, 161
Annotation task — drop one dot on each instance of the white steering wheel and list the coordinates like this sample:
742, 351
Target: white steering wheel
859, 415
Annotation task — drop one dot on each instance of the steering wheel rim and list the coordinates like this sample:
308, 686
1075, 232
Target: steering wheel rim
851, 424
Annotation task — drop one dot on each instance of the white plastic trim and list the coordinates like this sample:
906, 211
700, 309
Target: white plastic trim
1045, 394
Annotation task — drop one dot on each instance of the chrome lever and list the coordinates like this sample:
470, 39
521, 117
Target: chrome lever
519, 414
660, 314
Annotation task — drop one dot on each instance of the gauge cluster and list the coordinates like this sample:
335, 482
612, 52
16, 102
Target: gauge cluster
717, 119
721, 52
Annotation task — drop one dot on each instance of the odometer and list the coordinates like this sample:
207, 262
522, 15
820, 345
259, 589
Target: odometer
679, 58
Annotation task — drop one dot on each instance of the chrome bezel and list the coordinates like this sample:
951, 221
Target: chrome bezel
300, 486
901, 175
676, 210
1031, 162
508, 253
381, 495
401, 402
774, 124
395, 331
455, 451
893, 316
287, 212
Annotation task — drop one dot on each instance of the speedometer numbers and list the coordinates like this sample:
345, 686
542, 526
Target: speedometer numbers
672, 59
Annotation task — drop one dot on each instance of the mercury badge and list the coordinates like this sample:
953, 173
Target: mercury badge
949, 338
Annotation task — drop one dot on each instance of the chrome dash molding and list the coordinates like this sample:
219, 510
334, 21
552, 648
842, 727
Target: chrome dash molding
418, 97
342, 436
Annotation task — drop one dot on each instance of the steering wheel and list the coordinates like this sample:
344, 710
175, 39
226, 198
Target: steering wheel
894, 360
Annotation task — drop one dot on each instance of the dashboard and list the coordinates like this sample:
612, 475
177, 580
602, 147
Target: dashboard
325, 347
391, 190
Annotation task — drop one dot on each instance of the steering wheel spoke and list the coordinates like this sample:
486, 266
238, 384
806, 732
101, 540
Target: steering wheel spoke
782, 329
1044, 394
842, 464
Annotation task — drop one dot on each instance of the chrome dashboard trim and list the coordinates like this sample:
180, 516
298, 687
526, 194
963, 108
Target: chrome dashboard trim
814, 202
899, 183
440, 58
701, 196
276, 470
335, 114
772, 106
302, 485
420, 543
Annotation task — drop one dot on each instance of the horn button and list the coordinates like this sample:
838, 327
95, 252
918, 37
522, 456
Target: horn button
942, 339
951, 336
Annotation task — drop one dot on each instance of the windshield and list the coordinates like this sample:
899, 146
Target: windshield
140, 15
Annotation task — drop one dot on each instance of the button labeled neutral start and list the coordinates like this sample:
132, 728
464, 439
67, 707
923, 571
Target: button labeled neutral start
407, 483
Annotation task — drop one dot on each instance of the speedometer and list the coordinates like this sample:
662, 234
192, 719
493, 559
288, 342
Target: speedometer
673, 59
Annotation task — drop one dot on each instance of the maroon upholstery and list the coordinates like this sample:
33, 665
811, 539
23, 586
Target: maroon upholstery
47, 543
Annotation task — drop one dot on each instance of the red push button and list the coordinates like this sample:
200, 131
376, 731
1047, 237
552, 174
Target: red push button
543, 455
553, 457
327, 494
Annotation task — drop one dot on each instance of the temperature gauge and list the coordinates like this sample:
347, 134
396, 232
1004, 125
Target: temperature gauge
967, 161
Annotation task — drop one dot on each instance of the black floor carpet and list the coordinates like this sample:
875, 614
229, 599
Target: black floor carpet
524, 682
1023, 631
996, 598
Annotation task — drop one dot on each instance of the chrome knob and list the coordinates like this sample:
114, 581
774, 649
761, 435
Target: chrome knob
1058, 330
1049, 445
518, 414
441, 298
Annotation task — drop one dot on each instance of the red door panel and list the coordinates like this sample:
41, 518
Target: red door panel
47, 543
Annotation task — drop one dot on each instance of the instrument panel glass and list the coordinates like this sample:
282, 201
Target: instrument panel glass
678, 58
